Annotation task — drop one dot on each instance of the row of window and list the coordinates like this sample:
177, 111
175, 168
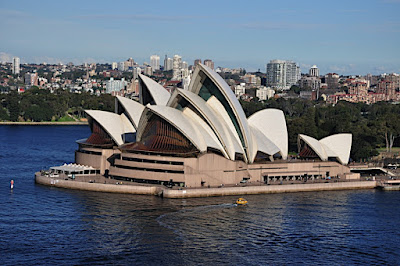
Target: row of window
148, 181
89, 152
151, 161
150, 169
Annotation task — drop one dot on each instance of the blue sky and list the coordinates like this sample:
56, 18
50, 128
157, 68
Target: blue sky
346, 37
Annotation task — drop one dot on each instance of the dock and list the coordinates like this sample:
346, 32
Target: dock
389, 184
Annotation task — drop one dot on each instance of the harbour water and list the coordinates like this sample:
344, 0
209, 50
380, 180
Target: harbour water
50, 226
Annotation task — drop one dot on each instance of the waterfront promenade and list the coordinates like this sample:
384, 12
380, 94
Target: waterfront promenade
101, 184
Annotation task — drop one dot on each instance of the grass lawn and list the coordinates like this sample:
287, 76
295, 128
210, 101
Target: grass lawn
394, 149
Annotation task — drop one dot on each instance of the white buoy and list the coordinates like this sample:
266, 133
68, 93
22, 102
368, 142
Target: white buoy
12, 184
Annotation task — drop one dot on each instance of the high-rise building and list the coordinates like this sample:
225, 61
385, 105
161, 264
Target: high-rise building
395, 78
121, 66
129, 63
282, 74
332, 80
310, 83
209, 63
16, 65
177, 63
136, 72
148, 71
114, 65
115, 85
165, 63
387, 87
155, 62
168, 63
314, 71
177, 68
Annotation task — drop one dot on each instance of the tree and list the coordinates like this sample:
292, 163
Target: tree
13, 106
296, 89
3, 114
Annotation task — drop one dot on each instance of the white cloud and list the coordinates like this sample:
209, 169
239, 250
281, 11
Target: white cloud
346, 69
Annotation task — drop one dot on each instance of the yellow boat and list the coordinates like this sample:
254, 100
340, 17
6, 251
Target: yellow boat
241, 201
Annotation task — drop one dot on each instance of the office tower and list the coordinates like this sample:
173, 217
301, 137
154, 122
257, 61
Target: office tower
282, 74
314, 71
196, 62
155, 62
114, 65
16, 65
209, 63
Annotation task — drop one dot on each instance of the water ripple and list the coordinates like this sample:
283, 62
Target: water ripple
48, 226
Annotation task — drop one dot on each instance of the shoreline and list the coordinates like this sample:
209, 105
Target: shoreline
72, 123
115, 186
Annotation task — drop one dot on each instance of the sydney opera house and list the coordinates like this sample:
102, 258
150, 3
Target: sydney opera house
200, 137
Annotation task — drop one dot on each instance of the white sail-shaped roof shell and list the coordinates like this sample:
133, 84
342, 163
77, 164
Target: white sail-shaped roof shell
188, 127
338, 146
134, 109
159, 94
225, 136
231, 100
315, 145
115, 125
264, 144
222, 115
272, 124
205, 131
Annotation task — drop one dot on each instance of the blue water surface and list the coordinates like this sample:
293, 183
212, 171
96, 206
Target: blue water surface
42, 225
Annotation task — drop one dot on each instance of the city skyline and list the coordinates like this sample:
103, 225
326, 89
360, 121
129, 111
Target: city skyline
357, 37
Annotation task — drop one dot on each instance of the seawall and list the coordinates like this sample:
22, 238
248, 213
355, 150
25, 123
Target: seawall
201, 192
112, 188
249, 190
